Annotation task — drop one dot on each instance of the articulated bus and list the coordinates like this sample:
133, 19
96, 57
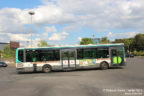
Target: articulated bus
47, 59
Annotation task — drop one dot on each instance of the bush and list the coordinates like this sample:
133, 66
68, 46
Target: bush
7, 52
138, 53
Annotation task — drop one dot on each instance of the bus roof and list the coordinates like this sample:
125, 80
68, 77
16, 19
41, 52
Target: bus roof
77, 46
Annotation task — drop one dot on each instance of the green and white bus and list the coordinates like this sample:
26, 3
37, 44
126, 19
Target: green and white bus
70, 57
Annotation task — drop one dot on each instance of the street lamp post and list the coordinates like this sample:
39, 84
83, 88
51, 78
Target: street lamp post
31, 13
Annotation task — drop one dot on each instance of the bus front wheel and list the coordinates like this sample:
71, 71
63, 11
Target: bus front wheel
104, 66
46, 69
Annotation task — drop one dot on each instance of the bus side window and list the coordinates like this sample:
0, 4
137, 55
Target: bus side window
79, 53
94, 50
93, 53
43, 58
102, 53
49, 55
20, 55
64, 55
120, 52
114, 52
28, 56
88, 53
56, 55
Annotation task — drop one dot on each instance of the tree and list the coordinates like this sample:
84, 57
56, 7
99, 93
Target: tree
104, 40
42, 43
7, 52
131, 45
135, 45
139, 42
86, 41
128, 42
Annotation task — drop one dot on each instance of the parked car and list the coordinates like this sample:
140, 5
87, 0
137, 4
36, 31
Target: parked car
130, 55
3, 64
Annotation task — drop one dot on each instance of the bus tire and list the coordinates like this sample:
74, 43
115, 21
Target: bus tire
104, 66
46, 69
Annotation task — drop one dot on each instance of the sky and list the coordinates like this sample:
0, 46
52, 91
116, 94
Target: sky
65, 22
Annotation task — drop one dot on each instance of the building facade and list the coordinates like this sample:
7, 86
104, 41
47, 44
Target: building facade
2, 45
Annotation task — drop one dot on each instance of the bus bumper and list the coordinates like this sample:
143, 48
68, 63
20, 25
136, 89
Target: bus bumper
20, 70
24, 69
28, 69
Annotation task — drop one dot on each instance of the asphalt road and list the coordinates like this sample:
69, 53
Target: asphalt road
127, 81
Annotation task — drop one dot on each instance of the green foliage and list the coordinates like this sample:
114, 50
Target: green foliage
7, 52
42, 43
134, 45
128, 42
86, 41
104, 40
139, 42
139, 53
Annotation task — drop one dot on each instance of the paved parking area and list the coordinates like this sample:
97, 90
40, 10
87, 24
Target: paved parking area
127, 81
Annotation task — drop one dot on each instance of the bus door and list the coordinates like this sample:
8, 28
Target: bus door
117, 56
68, 58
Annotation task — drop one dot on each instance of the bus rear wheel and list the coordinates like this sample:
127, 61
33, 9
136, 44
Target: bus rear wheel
104, 66
46, 69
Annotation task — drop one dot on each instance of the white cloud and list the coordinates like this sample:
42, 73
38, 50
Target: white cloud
122, 35
18, 37
79, 38
23, 38
104, 14
51, 34
58, 36
50, 29
36, 41
10, 20
52, 14
11, 27
96, 14
13, 22
100, 15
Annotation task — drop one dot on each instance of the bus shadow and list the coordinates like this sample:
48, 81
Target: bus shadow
93, 69
77, 70
114, 68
